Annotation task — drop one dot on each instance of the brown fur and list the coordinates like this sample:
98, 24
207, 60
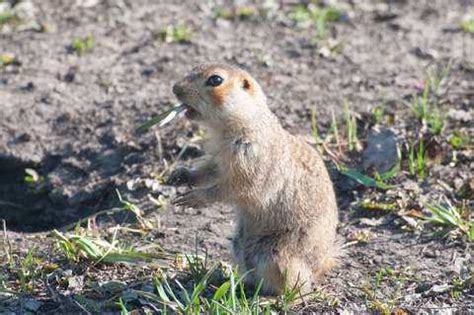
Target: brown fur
283, 197
219, 94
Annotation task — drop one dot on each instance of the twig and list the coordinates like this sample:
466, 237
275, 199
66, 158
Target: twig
331, 154
336, 131
152, 306
6, 242
175, 162
11, 204
159, 147
106, 211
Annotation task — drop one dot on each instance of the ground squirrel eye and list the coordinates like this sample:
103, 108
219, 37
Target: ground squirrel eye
214, 80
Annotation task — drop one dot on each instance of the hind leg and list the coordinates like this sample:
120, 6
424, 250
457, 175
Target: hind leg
276, 266
280, 273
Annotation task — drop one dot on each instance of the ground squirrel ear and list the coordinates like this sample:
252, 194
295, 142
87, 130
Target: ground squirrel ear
246, 84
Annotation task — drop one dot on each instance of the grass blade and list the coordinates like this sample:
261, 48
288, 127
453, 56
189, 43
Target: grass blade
221, 291
362, 178
162, 119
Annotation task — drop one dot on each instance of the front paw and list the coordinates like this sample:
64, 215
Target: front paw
192, 198
180, 176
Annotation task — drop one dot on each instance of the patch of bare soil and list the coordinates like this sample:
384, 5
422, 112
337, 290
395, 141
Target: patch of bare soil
72, 118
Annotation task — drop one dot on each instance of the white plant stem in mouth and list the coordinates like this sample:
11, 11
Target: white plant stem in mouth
173, 113
163, 118
170, 115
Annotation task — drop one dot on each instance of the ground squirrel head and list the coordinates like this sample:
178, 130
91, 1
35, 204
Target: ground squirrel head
219, 94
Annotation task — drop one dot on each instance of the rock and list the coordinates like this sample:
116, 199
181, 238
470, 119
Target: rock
31, 305
458, 183
427, 54
87, 3
431, 253
440, 288
132, 184
459, 114
381, 151
373, 221
110, 161
5, 6
76, 283
423, 287
152, 184
462, 267
412, 297
25, 10
113, 287
325, 52
411, 185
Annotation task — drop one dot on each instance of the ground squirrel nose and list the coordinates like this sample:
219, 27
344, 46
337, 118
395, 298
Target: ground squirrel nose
178, 90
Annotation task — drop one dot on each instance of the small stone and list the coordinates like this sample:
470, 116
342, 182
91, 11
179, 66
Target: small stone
411, 185
223, 24
32, 305
431, 253
325, 52
70, 76
425, 53
148, 72
87, 3
410, 221
113, 286
440, 288
132, 184
5, 6
373, 221
356, 79
29, 87
75, 283
412, 297
152, 184
423, 287
458, 183
25, 10
460, 115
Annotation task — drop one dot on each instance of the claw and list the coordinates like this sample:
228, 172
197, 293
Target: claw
187, 199
180, 176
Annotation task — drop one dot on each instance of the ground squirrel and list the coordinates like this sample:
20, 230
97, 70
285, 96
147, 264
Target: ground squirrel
283, 197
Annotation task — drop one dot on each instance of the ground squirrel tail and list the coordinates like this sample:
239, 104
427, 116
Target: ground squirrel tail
332, 258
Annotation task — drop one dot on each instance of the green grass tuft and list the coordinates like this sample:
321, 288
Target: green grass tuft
458, 141
314, 127
420, 104
175, 34
320, 17
450, 217
468, 26
351, 129
82, 45
8, 17
378, 113
99, 250
240, 13
416, 160
436, 122
7, 59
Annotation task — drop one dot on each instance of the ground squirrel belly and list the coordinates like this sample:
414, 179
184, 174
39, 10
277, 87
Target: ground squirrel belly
279, 186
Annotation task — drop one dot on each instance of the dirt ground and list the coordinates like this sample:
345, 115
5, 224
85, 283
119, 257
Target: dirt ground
72, 117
